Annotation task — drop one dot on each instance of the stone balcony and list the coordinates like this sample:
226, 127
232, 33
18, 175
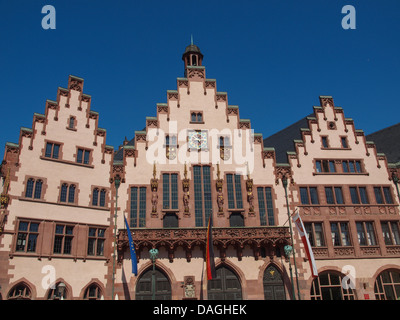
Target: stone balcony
268, 238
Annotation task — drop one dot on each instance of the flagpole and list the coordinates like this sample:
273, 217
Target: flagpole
284, 182
117, 182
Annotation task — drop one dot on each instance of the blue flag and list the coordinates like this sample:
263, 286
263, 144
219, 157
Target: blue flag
132, 248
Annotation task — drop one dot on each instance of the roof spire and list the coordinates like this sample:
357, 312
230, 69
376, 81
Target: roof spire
191, 39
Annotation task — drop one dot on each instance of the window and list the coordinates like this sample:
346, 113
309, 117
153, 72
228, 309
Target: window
234, 187
325, 142
93, 292
351, 166
170, 220
224, 141
334, 195
99, 197
170, 141
390, 231
236, 219
344, 143
328, 286
63, 239
27, 236
20, 292
138, 207
387, 285
366, 233
340, 234
34, 188
315, 234
196, 117
359, 194
265, 205
52, 150
202, 194
309, 195
383, 195
96, 242
170, 190
83, 156
71, 123
325, 165
67, 193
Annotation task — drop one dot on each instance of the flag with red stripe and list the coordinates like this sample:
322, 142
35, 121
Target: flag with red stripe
210, 263
300, 228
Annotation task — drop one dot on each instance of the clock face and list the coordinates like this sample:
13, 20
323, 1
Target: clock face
198, 140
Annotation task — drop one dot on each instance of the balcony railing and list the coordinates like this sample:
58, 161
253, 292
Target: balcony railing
269, 237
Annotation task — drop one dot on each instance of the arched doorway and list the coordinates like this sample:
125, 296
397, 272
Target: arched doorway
144, 287
226, 286
274, 288
387, 285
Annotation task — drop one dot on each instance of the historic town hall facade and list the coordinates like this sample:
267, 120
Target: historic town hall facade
65, 195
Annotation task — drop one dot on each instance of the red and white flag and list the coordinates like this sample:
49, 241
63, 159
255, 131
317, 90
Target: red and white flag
300, 227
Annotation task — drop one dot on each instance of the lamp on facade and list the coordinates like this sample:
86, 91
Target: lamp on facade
288, 251
285, 183
153, 256
117, 182
60, 290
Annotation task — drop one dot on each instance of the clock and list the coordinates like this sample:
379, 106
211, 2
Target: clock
198, 140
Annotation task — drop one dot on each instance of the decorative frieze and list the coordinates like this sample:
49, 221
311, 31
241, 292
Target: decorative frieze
188, 238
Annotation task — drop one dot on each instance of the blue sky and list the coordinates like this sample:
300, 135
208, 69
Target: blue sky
273, 58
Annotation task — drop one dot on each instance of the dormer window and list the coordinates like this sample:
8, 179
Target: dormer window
196, 117
71, 123
325, 142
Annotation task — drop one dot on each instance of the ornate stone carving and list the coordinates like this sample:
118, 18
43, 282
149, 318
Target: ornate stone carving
220, 196
190, 237
186, 195
154, 193
250, 195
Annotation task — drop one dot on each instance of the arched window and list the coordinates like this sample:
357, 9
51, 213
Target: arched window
194, 60
387, 285
328, 286
102, 198
162, 286
93, 292
29, 188
71, 123
199, 117
38, 189
71, 194
226, 286
20, 292
33, 188
63, 195
67, 190
95, 199
194, 117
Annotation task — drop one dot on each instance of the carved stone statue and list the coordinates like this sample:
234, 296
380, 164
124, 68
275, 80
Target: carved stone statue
154, 200
186, 197
220, 200
250, 199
